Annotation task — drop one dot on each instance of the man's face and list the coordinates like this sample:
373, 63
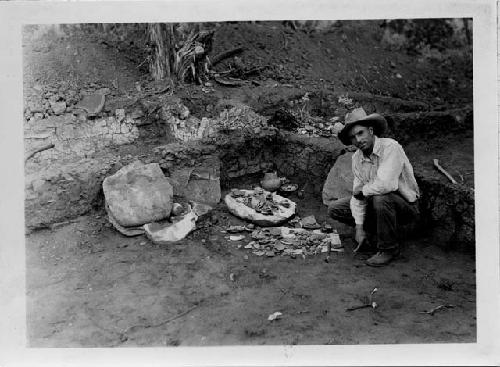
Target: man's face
362, 138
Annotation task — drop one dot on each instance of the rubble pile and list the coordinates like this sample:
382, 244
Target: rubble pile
187, 127
314, 126
293, 242
317, 126
260, 200
240, 118
55, 100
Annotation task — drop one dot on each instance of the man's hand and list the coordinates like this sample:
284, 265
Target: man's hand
360, 235
358, 195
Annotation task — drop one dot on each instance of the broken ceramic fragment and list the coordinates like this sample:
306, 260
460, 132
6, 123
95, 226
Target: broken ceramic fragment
162, 234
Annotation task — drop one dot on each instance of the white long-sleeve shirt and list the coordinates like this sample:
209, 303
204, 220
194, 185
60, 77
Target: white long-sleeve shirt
387, 169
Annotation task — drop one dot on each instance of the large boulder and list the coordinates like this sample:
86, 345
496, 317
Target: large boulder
339, 182
138, 194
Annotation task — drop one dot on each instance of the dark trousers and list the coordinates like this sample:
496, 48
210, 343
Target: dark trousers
385, 214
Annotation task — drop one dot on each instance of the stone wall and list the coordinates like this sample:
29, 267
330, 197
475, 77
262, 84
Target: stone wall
299, 157
78, 138
61, 192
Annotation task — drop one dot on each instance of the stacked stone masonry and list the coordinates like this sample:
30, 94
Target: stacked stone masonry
78, 138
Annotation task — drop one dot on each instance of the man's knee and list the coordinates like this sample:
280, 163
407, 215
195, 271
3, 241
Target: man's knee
334, 210
380, 202
340, 210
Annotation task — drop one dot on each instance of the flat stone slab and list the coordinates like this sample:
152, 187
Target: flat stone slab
204, 191
127, 231
92, 103
241, 210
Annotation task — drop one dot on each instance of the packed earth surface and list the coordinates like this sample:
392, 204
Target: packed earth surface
90, 286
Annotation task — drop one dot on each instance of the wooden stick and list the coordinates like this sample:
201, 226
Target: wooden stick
443, 171
357, 307
41, 149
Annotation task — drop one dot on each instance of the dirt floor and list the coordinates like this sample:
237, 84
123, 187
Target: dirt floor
87, 285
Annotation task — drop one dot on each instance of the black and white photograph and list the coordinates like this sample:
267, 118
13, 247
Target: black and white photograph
194, 182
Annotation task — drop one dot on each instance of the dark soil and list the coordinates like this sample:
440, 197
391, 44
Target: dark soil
87, 285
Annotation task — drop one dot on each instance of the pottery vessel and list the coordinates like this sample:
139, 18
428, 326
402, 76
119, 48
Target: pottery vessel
271, 181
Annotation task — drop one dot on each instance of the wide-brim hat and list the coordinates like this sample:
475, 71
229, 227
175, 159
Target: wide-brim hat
358, 116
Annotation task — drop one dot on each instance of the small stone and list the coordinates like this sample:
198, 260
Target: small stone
137, 113
58, 107
177, 209
236, 238
93, 103
104, 91
37, 185
184, 113
120, 114
337, 127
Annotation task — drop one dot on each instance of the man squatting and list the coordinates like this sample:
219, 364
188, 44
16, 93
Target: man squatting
385, 191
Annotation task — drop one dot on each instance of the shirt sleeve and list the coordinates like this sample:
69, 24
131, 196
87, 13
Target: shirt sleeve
388, 172
358, 207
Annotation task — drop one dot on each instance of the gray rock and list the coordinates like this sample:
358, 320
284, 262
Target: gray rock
36, 107
179, 180
120, 114
58, 107
92, 103
203, 191
204, 184
200, 184
338, 184
138, 194
127, 231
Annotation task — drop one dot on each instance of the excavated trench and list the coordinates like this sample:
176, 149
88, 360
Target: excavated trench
200, 167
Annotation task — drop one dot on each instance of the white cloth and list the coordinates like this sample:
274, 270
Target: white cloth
387, 169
